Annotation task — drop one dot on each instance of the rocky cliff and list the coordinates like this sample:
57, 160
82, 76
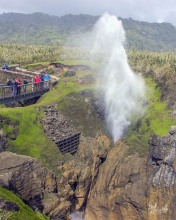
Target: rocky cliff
108, 183
103, 180
33, 183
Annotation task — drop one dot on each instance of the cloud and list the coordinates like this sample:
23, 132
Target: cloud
147, 10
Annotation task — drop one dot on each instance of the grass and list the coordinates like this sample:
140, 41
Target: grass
156, 119
25, 122
80, 110
36, 66
32, 141
41, 65
24, 211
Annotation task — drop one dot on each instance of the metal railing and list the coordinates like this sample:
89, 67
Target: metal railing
23, 89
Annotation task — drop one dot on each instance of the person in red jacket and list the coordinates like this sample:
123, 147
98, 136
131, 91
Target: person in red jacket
37, 82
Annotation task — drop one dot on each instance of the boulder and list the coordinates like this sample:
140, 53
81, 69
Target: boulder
33, 183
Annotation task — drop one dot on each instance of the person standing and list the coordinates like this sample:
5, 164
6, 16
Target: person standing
25, 82
19, 86
41, 80
46, 79
6, 67
37, 82
10, 84
33, 84
15, 86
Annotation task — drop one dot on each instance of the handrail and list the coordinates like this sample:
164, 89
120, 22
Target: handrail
32, 89
23, 89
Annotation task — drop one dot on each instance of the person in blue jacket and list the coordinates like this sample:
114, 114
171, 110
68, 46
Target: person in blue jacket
46, 79
6, 67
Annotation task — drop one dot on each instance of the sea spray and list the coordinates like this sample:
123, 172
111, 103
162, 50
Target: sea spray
123, 90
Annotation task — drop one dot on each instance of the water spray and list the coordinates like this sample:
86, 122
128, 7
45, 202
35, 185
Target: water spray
123, 91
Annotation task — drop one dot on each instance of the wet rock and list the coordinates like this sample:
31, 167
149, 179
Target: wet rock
3, 141
172, 130
4, 136
99, 106
8, 206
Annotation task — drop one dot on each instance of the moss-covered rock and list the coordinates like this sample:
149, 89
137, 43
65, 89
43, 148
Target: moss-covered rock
24, 211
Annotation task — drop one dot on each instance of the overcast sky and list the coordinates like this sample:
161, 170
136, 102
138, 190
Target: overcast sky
144, 10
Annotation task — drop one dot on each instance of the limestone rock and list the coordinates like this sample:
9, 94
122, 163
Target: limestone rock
119, 191
102, 180
107, 183
79, 174
33, 183
132, 187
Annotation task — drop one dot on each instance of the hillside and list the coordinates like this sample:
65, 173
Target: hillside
39, 28
133, 178
125, 170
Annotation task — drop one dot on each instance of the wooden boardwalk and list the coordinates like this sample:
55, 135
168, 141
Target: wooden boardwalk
8, 94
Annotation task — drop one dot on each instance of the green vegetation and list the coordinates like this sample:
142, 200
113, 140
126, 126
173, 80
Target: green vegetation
152, 62
33, 57
24, 211
42, 29
156, 119
36, 66
161, 67
80, 110
22, 125
25, 54
32, 141
25, 122
149, 36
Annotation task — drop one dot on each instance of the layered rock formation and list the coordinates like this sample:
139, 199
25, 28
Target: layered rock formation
108, 183
129, 186
102, 180
80, 174
33, 183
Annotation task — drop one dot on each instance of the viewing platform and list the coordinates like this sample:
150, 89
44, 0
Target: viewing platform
9, 94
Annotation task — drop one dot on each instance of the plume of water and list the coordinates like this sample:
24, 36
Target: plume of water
122, 89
